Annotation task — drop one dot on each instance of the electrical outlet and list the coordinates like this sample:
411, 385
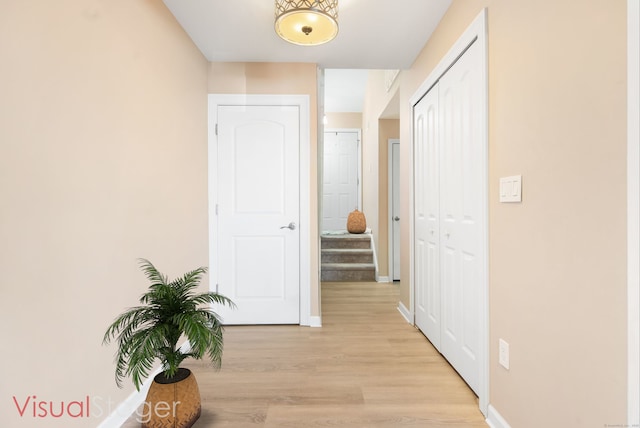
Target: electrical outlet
503, 358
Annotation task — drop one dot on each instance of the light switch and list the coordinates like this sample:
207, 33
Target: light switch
503, 354
511, 189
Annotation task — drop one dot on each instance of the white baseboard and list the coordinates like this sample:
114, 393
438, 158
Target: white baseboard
315, 321
127, 408
383, 279
495, 420
406, 313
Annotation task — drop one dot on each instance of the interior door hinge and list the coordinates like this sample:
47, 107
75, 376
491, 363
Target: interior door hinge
217, 288
216, 129
216, 209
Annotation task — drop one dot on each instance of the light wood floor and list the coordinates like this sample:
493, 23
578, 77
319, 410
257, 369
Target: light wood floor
366, 367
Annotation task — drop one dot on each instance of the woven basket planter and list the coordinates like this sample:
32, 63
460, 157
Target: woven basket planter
172, 405
356, 222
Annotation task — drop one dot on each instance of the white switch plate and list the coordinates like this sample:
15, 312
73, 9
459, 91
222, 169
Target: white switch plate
511, 189
503, 357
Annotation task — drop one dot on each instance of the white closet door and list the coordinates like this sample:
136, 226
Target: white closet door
449, 166
461, 175
427, 217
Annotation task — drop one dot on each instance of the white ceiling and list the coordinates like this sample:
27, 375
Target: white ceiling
373, 34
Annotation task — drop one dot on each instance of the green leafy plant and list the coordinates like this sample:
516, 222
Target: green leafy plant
168, 310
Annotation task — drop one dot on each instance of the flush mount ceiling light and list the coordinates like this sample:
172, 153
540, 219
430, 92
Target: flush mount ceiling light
307, 22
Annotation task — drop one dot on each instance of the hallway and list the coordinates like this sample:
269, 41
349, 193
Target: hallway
366, 367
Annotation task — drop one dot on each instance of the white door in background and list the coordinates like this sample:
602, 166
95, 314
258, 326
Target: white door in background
259, 213
395, 208
339, 178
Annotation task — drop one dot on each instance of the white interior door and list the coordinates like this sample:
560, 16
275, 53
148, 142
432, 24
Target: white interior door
340, 179
427, 217
258, 213
395, 208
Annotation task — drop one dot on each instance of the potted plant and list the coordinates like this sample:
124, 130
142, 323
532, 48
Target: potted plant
168, 311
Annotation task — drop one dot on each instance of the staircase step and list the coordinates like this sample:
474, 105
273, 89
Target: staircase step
347, 255
349, 266
348, 272
345, 241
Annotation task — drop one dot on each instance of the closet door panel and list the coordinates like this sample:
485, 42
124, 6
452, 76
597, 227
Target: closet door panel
427, 217
461, 188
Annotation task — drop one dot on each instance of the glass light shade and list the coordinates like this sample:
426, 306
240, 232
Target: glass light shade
307, 22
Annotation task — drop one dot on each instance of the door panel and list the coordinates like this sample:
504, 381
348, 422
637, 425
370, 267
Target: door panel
258, 151
460, 213
258, 196
250, 282
395, 210
340, 179
427, 217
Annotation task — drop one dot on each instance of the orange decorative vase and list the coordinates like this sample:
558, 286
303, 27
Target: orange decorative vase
356, 222
172, 403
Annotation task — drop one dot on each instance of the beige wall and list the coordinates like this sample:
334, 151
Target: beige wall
103, 159
557, 109
280, 78
344, 120
376, 131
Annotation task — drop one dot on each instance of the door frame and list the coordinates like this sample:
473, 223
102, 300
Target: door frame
391, 142
302, 102
476, 32
633, 212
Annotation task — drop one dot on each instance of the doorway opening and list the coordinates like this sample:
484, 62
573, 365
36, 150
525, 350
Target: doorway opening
344, 102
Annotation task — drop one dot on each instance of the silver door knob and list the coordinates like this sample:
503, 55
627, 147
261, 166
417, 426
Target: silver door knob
396, 218
291, 226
